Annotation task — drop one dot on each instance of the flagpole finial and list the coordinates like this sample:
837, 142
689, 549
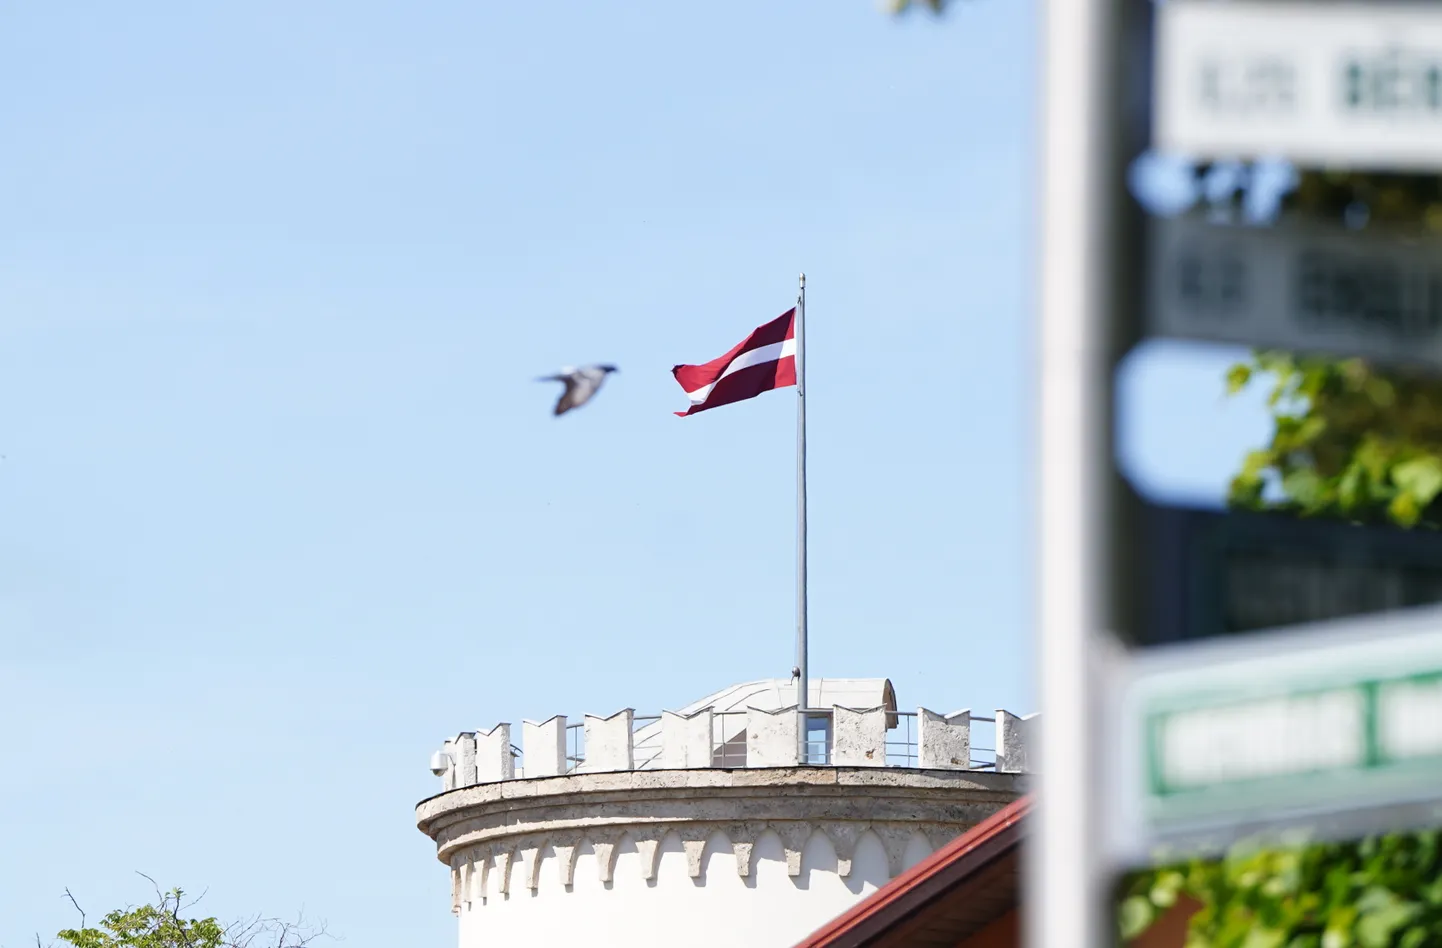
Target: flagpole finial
803, 279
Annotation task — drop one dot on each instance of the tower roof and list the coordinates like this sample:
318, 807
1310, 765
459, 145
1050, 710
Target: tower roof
773, 694
770, 694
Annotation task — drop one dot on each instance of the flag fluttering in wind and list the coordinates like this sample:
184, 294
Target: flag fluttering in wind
773, 356
763, 361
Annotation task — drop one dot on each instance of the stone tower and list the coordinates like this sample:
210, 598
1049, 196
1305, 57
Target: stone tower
702, 826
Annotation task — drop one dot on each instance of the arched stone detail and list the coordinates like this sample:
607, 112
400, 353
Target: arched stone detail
536, 851
694, 837
743, 842
894, 839
482, 831
605, 846
843, 839
794, 834
505, 859
939, 834
648, 845
567, 847
526, 856
468, 871
918, 848
483, 858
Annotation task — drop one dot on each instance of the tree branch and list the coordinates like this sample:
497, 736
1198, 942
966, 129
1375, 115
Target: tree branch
159, 896
77, 908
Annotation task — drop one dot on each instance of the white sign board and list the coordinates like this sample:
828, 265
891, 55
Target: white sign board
1357, 84
1293, 286
1324, 723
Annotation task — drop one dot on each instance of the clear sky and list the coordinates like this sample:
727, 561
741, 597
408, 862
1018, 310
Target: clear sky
281, 505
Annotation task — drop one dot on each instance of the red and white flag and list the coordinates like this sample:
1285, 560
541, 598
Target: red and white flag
764, 360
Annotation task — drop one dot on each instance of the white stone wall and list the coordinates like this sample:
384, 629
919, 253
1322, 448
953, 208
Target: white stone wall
495, 759
697, 887
609, 742
772, 737
1014, 736
544, 745
944, 740
858, 737
686, 740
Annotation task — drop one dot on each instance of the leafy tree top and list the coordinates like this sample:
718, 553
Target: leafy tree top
167, 923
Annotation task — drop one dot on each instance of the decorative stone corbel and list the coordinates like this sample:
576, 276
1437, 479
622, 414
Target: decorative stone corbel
649, 848
844, 837
794, 835
567, 848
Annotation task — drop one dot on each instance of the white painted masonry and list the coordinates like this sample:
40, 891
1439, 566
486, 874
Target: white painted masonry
545, 745
609, 742
697, 827
686, 739
859, 738
1013, 736
771, 737
944, 740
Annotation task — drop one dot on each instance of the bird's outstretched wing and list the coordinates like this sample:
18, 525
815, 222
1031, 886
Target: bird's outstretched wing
579, 389
581, 386
567, 401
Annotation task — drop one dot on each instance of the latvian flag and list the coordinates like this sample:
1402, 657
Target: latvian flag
764, 360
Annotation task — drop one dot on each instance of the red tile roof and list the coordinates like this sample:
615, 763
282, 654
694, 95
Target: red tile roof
938, 897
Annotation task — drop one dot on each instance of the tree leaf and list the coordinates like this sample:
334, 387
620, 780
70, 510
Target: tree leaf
1136, 916
1305, 487
1420, 477
1265, 938
1164, 891
1404, 509
1237, 378
1375, 929
1310, 430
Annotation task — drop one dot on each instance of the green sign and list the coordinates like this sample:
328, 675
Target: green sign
1371, 736
1317, 726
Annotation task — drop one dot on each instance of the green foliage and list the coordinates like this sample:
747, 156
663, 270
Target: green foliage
149, 926
1381, 892
167, 923
1348, 441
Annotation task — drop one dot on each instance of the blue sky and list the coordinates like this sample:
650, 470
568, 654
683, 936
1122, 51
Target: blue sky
1180, 435
282, 505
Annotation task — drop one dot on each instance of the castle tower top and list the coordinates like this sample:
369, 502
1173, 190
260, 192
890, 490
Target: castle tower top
704, 826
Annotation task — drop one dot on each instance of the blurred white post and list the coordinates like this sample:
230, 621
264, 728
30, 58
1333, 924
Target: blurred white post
1063, 895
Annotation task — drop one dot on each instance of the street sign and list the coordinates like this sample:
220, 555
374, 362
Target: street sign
1220, 738
1354, 84
1211, 574
1298, 285
1264, 174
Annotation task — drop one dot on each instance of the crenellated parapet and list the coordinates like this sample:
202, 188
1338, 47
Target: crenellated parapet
753, 737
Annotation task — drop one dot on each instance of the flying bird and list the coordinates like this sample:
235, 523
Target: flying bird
581, 385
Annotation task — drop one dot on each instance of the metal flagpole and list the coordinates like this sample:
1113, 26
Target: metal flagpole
803, 694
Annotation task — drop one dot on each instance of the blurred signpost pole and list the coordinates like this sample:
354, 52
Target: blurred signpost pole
1171, 719
1063, 905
